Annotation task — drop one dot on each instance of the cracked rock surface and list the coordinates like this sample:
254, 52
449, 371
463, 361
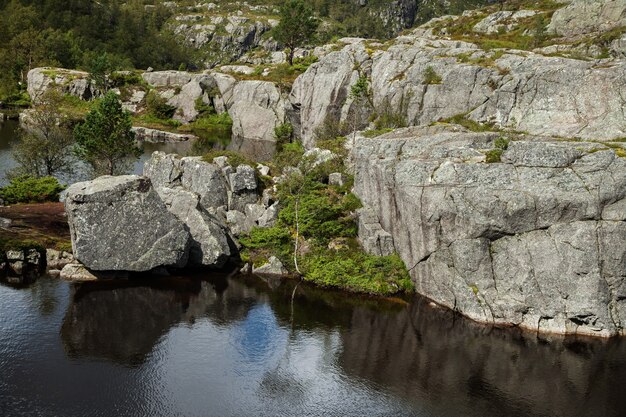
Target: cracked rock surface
537, 240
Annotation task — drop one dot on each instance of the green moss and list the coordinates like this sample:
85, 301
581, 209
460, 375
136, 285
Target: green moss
493, 156
462, 120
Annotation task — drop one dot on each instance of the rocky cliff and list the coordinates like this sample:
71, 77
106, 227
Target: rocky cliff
533, 238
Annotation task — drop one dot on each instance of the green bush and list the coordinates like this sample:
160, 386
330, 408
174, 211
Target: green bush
357, 271
28, 189
431, 77
283, 134
157, 106
289, 155
261, 243
122, 79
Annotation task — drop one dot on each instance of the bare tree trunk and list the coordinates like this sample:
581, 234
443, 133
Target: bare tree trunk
295, 252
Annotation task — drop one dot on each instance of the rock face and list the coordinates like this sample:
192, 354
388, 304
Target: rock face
256, 108
145, 134
585, 16
536, 241
75, 83
120, 223
322, 93
517, 90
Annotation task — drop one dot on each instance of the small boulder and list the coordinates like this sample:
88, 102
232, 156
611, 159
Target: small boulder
77, 273
273, 267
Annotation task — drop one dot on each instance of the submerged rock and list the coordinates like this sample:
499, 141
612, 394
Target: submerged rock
537, 240
121, 223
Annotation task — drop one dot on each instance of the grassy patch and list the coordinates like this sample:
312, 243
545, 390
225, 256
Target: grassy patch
376, 132
358, 272
462, 120
234, 158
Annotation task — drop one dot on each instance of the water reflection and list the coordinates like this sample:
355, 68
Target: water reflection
226, 346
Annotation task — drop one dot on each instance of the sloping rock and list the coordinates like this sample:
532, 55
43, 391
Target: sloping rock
121, 224
536, 241
75, 272
516, 90
585, 16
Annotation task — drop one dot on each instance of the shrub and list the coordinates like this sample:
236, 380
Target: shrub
289, 155
123, 79
157, 106
261, 243
431, 77
234, 158
283, 134
28, 189
357, 271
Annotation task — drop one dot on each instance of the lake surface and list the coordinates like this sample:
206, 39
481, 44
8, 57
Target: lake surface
9, 138
212, 345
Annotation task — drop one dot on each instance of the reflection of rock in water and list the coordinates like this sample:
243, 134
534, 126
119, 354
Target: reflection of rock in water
122, 321
464, 366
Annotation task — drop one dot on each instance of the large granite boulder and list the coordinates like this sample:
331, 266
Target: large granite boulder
537, 240
121, 223
322, 93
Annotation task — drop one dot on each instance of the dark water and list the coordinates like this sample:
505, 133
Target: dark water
9, 138
237, 346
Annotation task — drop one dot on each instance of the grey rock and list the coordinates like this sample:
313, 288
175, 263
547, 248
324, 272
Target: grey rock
164, 170
585, 16
206, 180
145, 134
257, 108
535, 241
269, 217
76, 272
15, 255
121, 224
210, 245
71, 82
254, 211
238, 222
337, 178
273, 267
58, 259
5, 223
243, 187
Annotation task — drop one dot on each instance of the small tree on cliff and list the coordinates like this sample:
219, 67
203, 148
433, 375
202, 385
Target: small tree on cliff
297, 26
105, 139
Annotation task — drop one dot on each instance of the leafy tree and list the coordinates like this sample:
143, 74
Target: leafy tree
105, 139
46, 149
297, 26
